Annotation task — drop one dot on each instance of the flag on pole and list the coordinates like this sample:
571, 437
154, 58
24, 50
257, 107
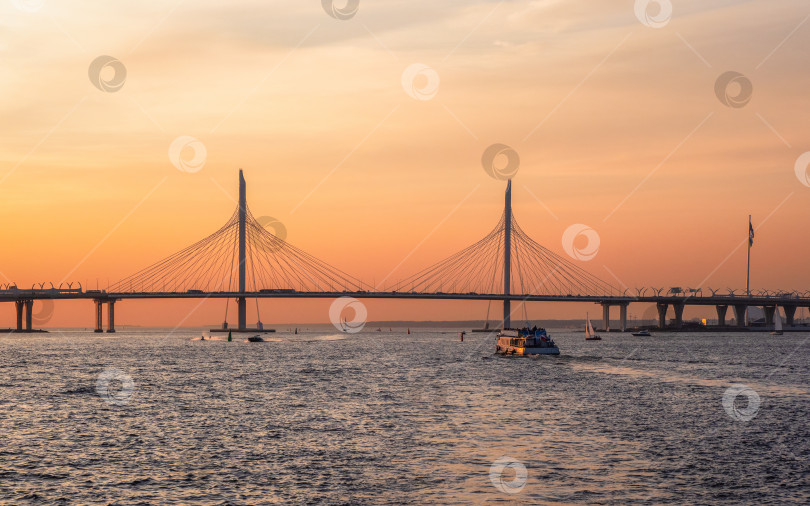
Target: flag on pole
750, 233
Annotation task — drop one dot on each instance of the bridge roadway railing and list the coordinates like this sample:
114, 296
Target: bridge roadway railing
612, 299
730, 299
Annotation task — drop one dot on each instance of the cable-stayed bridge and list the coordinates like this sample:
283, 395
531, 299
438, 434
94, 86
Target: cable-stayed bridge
243, 260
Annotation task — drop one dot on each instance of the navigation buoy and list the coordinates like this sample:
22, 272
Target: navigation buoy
462, 336
409, 330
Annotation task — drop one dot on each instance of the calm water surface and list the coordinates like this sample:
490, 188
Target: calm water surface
385, 417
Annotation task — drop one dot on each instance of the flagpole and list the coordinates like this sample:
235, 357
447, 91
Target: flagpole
748, 270
748, 273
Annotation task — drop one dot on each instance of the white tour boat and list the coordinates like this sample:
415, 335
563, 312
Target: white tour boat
525, 341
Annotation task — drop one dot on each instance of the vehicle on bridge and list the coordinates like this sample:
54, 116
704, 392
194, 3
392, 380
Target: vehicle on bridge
525, 341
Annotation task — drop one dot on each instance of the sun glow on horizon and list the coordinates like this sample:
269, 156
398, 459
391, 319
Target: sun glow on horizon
127, 124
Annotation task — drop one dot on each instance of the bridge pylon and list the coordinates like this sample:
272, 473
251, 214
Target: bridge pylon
241, 302
507, 258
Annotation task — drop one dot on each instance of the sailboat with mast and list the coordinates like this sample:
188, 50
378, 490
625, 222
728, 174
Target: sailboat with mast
590, 335
777, 324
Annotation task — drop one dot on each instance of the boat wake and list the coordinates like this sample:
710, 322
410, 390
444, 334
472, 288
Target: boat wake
312, 339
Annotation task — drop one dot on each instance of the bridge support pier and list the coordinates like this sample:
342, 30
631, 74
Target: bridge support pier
99, 316
678, 307
662, 314
769, 312
605, 316
721, 315
98, 305
623, 316
18, 305
111, 316
739, 314
790, 313
29, 313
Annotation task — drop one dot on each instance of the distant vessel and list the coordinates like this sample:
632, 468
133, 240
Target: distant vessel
242, 331
777, 324
642, 333
255, 339
485, 329
525, 341
590, 335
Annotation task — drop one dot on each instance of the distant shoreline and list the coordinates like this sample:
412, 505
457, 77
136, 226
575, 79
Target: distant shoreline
574, 324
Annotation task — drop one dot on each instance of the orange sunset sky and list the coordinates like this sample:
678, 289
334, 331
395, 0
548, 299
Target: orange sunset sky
613, 111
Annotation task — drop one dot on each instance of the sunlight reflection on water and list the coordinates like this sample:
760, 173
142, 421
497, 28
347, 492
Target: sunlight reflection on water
380, 417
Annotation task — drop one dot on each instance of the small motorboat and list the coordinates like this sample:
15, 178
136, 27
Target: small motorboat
255, 339
525, 341
642, 333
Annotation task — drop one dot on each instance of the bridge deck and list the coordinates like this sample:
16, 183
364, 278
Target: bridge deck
754, 300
